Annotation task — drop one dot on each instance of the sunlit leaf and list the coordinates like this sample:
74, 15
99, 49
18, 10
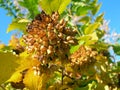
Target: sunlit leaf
91, 28
63, 5
16, 77
18, 25
31, 6
99, 18
96, 9
94, 36
14, 41
92, 85
2, 46
34, 81
54, 5
26, 61
100, 33
74, 48
8, 64
83, 10
94, 2
85, 19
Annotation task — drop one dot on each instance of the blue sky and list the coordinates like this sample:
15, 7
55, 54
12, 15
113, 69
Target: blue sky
112, 13
111, 10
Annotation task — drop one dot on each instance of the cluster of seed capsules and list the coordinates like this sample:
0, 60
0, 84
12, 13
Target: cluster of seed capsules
49, 38
83, 57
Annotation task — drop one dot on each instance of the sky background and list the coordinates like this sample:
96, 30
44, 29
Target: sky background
111, 10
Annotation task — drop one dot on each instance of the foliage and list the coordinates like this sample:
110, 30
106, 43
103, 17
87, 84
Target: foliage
62, 47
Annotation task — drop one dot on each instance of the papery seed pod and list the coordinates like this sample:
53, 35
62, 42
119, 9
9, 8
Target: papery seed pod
43, 48
69, 38
60, 35
49, 37
50, 26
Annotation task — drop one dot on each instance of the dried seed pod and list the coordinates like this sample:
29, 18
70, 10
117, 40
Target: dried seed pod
69, 38
49, 37
83, 58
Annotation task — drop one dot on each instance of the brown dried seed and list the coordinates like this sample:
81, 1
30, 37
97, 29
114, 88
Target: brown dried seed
71, 41
49, 51
60, 35
43, 48
69, 38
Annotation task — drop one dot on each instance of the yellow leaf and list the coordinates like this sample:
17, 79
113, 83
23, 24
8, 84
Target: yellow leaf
94, 36
34, 81
19, 24
14, 41
85, 19
16, 77
2, 46
8, 64
26, 61
99, 18
91, 28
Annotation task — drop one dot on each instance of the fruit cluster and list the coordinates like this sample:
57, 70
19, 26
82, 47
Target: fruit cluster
49, 38
83, 57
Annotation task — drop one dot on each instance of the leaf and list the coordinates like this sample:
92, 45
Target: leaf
19, 25
5, 49
75, 48
14, 41
54, 5
2, 46
63, 5
8, 64
94, 36
96, 9
100, 33
16, 77
99, 18
83, 10
34, 81
26, 61
31, 5
85, 19
91, 28
116, 49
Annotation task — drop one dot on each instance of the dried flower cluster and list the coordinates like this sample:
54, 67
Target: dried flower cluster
83, 57
49, 38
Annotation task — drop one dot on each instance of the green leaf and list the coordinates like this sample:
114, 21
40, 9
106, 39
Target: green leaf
116, 49
83, 10
96, 9
31, 5
91, 28
85, 19
50, 6
63, 5
100, 33
99, 18
75, 48
18, 25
